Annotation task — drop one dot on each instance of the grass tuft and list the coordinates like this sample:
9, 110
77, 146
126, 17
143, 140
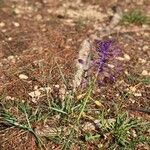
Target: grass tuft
25, 120
135, 17
124, 132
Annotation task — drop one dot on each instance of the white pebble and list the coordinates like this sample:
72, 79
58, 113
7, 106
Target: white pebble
88, 126
132, 101
2, 24
34, 94
111, 66
145, 47
17, 11
57, 86
35, 87
23, 76
45, 89
145, 26
127, 57
38, 17
145, 73
10, 39
137, 94
9, 98
142, 60
133, 89
16, 24
120, 58
4, 30
10, 57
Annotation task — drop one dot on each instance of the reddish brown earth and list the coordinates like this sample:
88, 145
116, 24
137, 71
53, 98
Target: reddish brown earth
34, 38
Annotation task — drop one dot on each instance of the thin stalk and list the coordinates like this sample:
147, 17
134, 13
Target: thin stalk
65, 146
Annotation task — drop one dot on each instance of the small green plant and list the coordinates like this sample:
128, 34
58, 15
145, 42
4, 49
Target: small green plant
81, 23
138, 79
121, 128
27, 116
121, 131
135, 17
90, 137
76, 123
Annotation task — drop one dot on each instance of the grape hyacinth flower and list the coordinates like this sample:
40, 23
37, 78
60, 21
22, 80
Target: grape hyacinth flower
102, 61
106, 63
103, 49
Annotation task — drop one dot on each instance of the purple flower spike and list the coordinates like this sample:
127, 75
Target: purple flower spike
103, 49
106, 62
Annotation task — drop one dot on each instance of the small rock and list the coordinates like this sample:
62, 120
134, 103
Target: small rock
23, 76
137, 94
100, 146
35, 87
98, 103
142, 60
120, 58
145, 26
49, 11
35, 94
57, 86
146, 34
16, 24
132, 101
134, 133
111, 120
38, 17
126, 10
145, 48
97, 122
10, 57
17, 11
88, 126
10, 39
145, 73
127, 57
62, 92
2, 24
9, 98
43, 29
133, 89
45, 89
140, 2
111, 66
31, 9
126, 72
4, 30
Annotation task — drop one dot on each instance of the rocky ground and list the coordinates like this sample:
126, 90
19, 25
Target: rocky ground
39, 43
